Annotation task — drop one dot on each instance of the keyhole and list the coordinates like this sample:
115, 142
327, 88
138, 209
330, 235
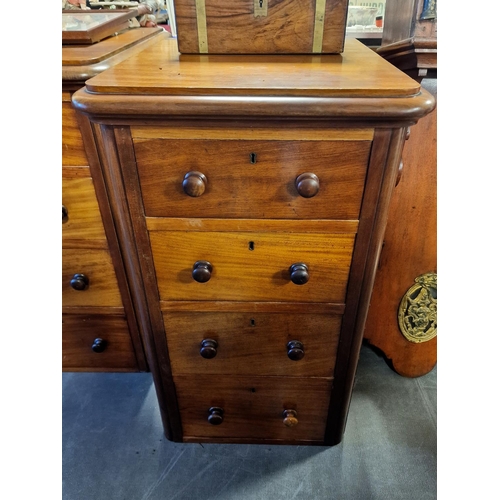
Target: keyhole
252, 322
260, 3
251, 245
253, 156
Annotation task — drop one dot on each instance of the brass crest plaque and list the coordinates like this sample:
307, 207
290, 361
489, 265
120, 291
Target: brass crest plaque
417, 314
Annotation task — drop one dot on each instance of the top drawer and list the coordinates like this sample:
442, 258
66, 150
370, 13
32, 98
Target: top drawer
246, 176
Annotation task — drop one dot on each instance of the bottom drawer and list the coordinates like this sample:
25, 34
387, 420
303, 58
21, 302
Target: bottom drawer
253, 407
82, 351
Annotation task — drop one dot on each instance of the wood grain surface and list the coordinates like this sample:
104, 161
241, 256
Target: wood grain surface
260, 274
78, 334
97, 266
161, 70
253, 406
237, 188
84, 218
252, 344
288, 27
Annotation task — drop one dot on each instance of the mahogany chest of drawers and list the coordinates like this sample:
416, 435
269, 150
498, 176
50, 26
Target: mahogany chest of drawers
250, 196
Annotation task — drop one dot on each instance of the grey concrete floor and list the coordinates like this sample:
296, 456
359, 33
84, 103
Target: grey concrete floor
114, 447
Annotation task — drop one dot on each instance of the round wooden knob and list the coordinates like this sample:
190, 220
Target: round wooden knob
307, 185
295, 350
99, 345
299, 273
194, 184
64, 212
208, 348
202, 271
215, 415
290, 418
79, 282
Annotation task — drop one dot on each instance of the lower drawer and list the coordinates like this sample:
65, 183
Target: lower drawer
250, 343
253, 407
83, 351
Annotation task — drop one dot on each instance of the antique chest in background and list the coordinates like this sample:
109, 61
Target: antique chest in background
250, 197
261, 26
99, 328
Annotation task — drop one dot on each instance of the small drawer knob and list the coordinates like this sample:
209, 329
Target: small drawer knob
202, 271
215, 415
295, 350
299, 273
307, 185
194, 184
208, 348
290, 418
79, 282
99, 345
64, 213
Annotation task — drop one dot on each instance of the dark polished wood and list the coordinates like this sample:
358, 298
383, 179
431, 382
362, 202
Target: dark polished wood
202, 271
299, 273
208, 348
215, 416
307, 185
295, 350
194, 184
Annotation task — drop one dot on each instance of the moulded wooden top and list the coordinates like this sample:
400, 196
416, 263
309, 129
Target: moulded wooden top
161, 71
80, 62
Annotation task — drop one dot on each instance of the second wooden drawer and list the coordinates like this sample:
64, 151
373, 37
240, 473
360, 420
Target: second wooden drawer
254, 266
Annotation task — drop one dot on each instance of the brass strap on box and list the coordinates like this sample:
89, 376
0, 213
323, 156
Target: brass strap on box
319, 25
201, 20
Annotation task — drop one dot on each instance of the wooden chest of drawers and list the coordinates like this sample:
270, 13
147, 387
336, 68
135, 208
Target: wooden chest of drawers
250, 202
99, 326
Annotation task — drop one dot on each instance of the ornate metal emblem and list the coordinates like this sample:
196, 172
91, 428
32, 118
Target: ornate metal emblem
417, 314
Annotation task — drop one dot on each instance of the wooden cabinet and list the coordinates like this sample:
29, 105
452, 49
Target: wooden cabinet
250, 202
407, 333
99, 325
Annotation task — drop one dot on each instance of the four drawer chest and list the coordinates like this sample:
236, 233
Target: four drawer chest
249, 195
